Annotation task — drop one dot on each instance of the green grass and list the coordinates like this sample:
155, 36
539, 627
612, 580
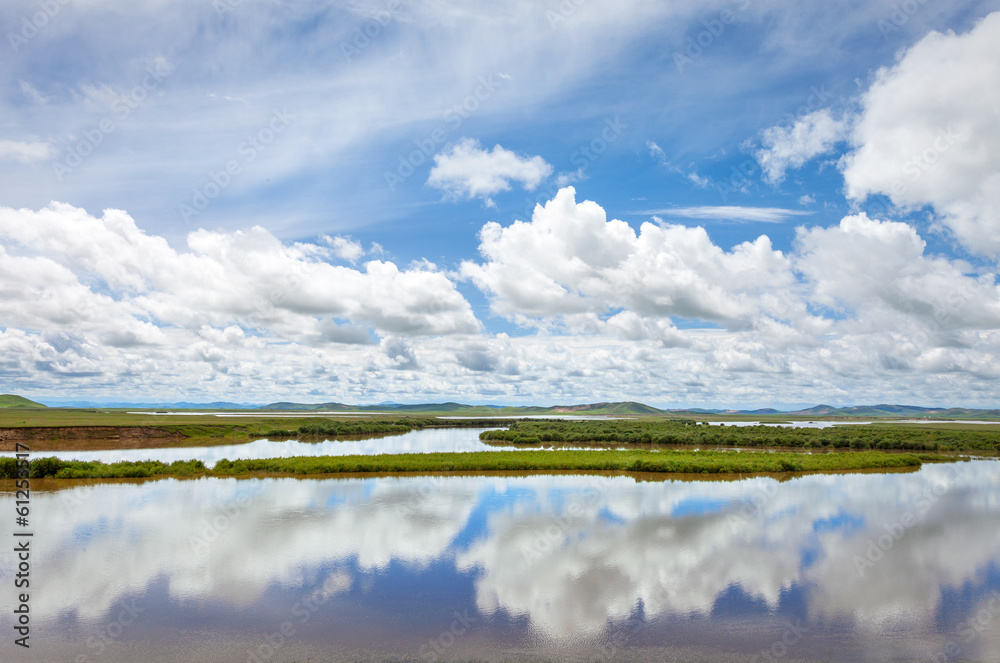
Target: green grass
707, 462
49, 467
206, 429
672, 432
12, 400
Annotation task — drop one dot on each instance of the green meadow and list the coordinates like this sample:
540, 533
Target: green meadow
638, 432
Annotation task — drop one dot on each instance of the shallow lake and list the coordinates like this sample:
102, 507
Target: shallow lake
432, 440
855, 567
285, 414
791, 424
831, 424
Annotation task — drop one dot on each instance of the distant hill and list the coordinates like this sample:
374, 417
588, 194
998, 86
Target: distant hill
421, 407
631, 408
156, 405
904, 411
818, 411
619, 409
412, 408
628, 407
12, 400
881, 410
382, 407
285, 405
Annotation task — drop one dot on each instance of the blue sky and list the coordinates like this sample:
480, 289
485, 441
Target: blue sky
336, 201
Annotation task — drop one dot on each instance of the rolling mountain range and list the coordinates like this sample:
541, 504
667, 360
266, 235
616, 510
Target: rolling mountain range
631, 408
627, 408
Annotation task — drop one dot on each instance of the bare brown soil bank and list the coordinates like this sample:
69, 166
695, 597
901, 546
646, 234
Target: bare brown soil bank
75, 438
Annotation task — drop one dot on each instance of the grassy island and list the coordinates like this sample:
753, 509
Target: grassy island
638, 432
707, 462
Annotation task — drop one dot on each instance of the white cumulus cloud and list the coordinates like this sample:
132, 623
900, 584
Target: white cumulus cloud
790, 147
470, 171
878, 271
104, 274
345, 248
569, 259
929, 134
660, 313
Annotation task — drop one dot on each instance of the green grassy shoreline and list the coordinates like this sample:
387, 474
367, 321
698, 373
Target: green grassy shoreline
637, 432
680, 462
51, 429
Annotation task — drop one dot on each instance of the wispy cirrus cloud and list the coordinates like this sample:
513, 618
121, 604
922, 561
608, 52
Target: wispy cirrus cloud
25, 151
731, 213
657, 153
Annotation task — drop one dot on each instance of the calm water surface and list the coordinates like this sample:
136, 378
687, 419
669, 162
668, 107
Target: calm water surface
791, 424
831, 424
859, 567
418, 441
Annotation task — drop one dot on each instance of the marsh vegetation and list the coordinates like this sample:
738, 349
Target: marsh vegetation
637, 432
710, 462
